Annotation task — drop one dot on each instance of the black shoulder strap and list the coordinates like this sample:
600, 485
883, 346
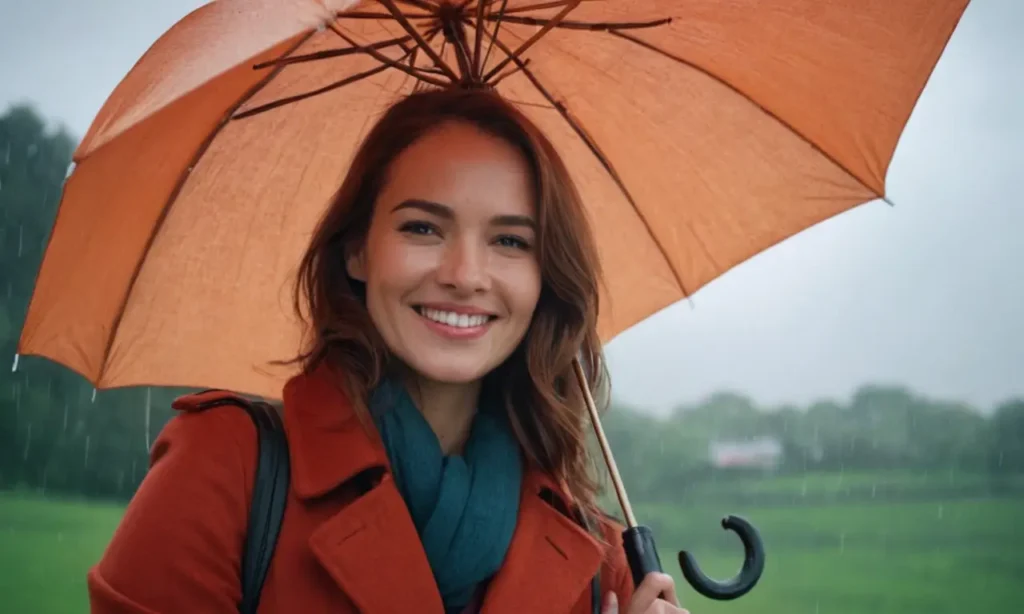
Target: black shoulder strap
269, 495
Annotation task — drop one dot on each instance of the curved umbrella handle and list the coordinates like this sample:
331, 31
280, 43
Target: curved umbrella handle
642, 555
741, 583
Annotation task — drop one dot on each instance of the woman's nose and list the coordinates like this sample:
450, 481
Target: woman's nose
464, 268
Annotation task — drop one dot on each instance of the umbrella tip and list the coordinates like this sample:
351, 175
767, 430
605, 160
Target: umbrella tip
14, 367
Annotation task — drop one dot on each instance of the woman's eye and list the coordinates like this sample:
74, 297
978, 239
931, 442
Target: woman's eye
417, 228
513, 242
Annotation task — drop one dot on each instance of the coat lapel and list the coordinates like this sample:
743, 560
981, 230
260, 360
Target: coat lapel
370, 548
551, 561
372, 551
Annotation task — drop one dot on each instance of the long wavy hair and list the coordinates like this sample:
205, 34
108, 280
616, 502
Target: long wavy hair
537, 382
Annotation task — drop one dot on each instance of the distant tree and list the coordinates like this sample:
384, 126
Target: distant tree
1006, 447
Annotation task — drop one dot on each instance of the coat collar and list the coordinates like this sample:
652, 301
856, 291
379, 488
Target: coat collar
371, 548
328, 442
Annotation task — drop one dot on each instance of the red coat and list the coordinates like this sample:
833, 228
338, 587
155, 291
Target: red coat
178, 548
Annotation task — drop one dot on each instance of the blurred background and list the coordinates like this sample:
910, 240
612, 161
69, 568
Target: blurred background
857, 392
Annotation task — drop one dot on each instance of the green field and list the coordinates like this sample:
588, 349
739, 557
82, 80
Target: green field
961, 557
909, 558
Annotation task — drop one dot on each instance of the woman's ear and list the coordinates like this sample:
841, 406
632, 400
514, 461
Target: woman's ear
355, 264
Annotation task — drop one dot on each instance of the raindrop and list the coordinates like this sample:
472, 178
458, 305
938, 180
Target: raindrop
842, 542
65, 427
28, 443
21, 239
149, 407
999, 461
940, 512
7, 154
87, 441
874, 487
60, 536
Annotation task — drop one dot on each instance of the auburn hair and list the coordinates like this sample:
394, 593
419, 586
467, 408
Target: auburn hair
537, 382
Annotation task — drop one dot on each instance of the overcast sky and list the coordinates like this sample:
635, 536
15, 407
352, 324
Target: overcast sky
929, 294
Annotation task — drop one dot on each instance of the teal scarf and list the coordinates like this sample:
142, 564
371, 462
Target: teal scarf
464, 507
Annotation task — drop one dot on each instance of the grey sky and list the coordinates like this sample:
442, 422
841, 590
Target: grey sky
928, 294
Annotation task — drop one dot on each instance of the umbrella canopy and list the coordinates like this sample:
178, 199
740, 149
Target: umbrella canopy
700, 133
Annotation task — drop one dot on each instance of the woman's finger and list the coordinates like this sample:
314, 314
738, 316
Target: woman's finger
669, 594
611, 604
654, 585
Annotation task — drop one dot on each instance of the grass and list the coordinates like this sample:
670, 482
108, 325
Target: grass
46, 547
907, 558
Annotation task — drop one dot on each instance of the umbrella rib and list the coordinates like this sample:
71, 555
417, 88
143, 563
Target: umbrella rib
732, 87
380, 15
493, 35
543, 5
427, 49
173, 196
333, 86
383, 59
577, 127
420, 4
572, 4
509, 73
597, 26
429, 37
478, 46
334, 53
409, 53
466, 63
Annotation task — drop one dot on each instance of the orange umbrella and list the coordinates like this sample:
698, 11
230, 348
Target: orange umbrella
700, 132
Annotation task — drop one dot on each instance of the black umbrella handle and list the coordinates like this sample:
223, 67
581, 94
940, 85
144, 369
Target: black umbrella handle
642, 555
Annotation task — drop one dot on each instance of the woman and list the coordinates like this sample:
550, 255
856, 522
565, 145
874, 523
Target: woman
436, 434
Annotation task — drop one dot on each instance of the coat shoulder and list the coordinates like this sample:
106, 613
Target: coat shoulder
178, 546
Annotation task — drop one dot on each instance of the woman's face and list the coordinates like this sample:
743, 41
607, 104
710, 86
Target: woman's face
452, 278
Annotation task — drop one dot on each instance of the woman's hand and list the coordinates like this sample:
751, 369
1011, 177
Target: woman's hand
647, 599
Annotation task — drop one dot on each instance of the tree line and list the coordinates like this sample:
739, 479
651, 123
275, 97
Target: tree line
60, 435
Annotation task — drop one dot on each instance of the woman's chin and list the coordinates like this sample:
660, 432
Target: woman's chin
455, 372
451, 376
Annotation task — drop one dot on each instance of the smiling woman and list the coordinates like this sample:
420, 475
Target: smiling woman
453, 280
436, 434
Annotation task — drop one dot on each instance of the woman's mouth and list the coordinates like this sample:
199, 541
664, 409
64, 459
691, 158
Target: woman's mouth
454, 324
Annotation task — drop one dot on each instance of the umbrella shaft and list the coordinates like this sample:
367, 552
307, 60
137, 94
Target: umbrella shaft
606, 450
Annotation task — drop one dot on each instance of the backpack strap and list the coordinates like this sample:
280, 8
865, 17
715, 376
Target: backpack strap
269, 497
270, 487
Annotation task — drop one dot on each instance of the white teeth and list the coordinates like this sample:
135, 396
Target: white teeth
454, 319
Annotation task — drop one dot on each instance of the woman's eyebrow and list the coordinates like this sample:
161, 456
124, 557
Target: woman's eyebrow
446, 212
